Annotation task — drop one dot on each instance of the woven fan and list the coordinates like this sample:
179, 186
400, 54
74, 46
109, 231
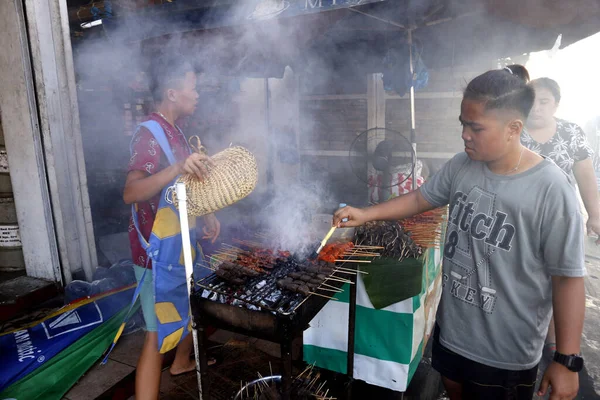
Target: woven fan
233, 177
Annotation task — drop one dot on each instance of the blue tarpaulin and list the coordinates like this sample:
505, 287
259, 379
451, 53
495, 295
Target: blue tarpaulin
25, 350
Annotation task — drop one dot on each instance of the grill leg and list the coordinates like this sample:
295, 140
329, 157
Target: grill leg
204, 363
351, 335
286, 359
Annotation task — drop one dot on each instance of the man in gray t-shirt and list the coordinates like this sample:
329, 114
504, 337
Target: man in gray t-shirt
506, 236
513, 251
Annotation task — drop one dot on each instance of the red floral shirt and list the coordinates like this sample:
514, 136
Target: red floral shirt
147, 156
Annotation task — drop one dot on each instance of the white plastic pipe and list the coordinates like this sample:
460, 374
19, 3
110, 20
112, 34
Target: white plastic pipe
189, 269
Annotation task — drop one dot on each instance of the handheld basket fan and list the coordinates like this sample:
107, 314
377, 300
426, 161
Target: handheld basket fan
233, 177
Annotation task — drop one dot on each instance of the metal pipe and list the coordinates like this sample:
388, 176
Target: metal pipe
189, 269
413, 136
387, 21
270, 150
351, 327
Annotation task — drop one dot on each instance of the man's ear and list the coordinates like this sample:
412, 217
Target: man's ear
171, 95
515, 127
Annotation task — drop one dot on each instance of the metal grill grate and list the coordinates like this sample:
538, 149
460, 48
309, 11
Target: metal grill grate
260, 292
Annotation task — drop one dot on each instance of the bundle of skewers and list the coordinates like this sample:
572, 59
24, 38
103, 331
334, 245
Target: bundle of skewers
306, 386
390, 238
426, 228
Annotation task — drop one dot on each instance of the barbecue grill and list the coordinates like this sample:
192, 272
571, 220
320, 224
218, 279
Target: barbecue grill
259, 309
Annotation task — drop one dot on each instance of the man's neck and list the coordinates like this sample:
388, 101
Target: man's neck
509, 163
167, 113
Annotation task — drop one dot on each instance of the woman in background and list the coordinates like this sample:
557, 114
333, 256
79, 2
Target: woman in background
564, 143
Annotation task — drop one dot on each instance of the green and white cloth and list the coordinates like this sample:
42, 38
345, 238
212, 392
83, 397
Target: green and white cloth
389, 342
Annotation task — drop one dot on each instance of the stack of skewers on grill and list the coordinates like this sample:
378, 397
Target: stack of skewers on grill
238, 266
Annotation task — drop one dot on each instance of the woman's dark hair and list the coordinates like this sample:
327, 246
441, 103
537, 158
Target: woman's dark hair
519, 71
167, 72
503, 89
549, 84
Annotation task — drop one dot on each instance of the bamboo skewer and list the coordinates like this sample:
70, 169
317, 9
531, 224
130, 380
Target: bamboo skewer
329, 290
339, 280
330, 286
322, 295
354, 261
352, 270
349, 252
345, 272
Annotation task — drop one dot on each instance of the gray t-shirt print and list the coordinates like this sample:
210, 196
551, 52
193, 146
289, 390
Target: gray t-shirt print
506, 237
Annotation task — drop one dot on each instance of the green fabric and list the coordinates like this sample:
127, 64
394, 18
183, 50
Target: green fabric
58, 375
329, 359
394, 331
414, 364
344, 296
390, 281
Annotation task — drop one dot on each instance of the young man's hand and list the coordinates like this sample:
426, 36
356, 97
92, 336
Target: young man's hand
564, 384
198, 164
212, 228
352, 216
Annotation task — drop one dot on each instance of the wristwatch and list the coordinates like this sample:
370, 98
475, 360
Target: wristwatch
573, 362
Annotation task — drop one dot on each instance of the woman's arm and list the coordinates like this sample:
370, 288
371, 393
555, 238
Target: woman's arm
588, 188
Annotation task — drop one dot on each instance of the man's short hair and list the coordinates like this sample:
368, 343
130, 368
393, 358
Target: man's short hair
167, 72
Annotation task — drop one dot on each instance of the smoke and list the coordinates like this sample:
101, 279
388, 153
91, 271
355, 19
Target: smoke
316, 54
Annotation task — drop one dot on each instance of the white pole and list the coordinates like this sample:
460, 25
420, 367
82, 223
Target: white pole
189, 269
413, 136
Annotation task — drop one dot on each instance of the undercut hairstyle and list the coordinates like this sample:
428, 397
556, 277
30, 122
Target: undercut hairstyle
505, 89
167, 72
550, 84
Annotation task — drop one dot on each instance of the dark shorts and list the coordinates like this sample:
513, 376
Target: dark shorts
480, 381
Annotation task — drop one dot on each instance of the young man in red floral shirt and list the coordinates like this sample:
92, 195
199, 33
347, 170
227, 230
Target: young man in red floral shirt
173, 86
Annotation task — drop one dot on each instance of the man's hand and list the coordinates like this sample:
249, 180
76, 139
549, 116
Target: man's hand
355, 217
212, 228
564, 383
198, 164
593, 227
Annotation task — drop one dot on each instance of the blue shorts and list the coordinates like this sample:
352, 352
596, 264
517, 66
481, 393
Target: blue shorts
147, 298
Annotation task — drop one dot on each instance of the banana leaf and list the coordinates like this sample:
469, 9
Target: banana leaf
390, 281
